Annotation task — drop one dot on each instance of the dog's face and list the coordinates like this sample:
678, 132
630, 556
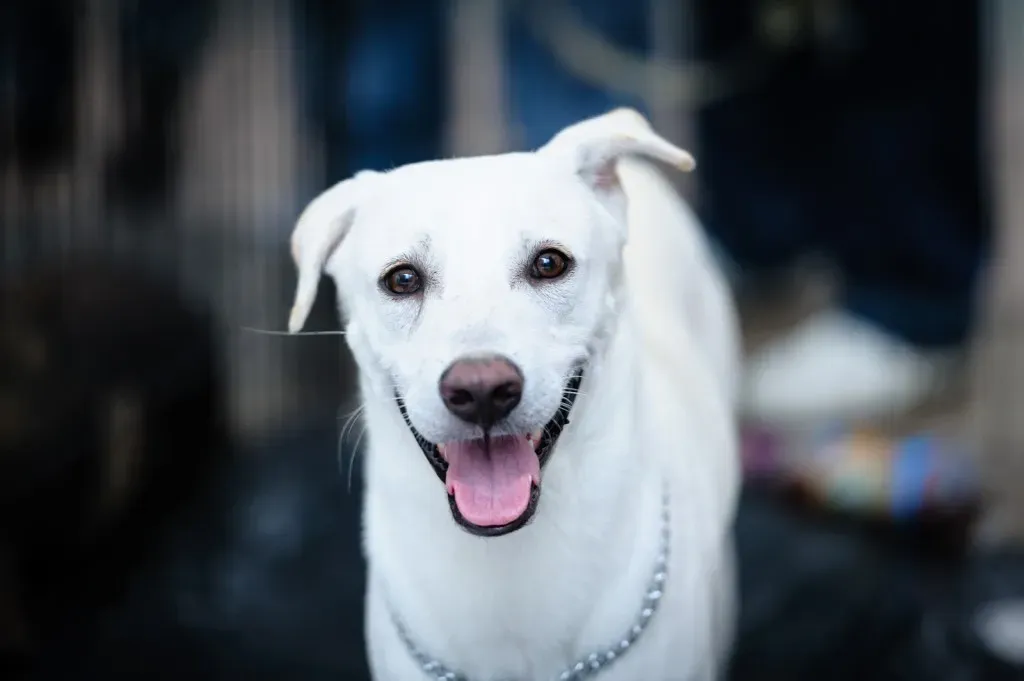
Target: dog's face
475, 291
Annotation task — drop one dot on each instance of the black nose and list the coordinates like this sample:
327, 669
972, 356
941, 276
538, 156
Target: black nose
482, 389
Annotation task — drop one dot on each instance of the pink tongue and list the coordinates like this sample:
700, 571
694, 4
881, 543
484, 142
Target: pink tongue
491, 484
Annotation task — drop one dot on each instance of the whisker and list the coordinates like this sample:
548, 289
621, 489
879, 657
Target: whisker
388, 399
355, 452
547, 432
350, 421
407, 397
271, 332
339, 447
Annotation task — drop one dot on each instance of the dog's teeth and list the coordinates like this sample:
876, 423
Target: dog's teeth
535, 436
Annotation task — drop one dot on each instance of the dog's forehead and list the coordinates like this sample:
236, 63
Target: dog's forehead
501, 200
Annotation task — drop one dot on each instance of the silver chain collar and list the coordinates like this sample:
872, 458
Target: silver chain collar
593, 664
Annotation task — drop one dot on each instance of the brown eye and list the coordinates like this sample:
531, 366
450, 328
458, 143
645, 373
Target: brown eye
549, 264
402, 280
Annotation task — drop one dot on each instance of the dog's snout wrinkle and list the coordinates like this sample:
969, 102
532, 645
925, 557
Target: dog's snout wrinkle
482, 389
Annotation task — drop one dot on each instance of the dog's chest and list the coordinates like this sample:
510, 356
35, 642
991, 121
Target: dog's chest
536, 618
517, 619
673, 647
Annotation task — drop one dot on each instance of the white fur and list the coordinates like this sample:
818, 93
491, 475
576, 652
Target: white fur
656, 329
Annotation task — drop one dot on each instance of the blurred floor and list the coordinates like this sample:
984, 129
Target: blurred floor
262, 580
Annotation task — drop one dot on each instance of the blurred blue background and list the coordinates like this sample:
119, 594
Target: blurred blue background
174, 498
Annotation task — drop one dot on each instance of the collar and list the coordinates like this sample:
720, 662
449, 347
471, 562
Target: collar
596, 662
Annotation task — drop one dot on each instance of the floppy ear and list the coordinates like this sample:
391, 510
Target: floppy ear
592, 148
319, 230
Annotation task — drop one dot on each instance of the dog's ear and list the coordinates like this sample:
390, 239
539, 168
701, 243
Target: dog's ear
592, 148
319, 230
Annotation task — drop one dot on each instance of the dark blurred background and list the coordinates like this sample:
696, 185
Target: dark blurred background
179, 497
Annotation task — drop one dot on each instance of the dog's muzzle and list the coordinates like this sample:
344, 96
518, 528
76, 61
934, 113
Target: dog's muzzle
454, 463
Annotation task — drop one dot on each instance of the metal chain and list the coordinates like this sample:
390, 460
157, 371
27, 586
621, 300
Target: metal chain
594, 663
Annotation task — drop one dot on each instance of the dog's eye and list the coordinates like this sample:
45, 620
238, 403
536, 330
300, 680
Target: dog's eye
549, 264
402, 280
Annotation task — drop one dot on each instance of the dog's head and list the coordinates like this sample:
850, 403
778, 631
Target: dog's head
475, 290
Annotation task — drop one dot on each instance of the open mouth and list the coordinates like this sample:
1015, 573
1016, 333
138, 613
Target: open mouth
493, 483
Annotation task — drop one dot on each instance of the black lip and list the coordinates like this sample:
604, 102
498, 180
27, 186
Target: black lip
549, 437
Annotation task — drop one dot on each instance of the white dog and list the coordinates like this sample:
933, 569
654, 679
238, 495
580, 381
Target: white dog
550, 466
